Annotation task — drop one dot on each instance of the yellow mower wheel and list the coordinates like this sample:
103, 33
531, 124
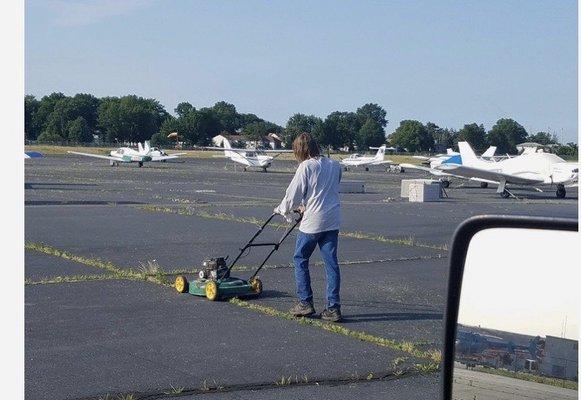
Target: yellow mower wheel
181, 284
211, 290
256, 285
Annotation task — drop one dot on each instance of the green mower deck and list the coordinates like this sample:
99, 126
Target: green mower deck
221, 284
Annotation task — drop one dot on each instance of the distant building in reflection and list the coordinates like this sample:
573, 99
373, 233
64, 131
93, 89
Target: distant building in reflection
560, 358
551, 356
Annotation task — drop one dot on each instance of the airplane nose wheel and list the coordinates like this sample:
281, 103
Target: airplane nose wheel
366, 168
561, 192
140, 164
445, 183
483, 185
505, 194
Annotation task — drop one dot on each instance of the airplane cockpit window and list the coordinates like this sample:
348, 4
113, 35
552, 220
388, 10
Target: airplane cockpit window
120, 151
251, 154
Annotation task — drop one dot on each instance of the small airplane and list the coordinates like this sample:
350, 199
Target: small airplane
532, 169
128, 155
250, 158
451, 157
355, 160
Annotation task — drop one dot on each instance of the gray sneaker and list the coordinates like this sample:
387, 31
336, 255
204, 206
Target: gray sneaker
331, 314
302, 309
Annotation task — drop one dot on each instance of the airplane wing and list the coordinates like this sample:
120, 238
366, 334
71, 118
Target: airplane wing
95, 155
425, 169
489, 175
231, 149
168, 157
274, 151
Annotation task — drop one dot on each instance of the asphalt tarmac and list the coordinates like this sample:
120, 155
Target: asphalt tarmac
98, 324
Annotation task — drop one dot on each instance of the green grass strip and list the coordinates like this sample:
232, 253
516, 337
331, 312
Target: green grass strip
406, 347
405, 241
70, 279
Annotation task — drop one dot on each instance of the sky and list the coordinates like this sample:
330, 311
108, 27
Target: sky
448, 62
512, 283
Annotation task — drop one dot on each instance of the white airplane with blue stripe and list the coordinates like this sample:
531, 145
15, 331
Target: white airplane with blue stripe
451, 157
143, 154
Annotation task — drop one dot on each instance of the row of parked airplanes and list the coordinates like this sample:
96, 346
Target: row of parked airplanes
532, 168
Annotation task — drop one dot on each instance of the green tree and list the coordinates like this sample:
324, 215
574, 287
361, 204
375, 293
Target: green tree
506, 134
412, 135
343, 129
569, 151
31, 106
130, 118
49, 137
372, 111
475, 135
159, 139
199, 127
543, 138
298, 124
227, 115
78, 131
184, 108
246, 119
442, 136
256, 130
370, 134
45, 108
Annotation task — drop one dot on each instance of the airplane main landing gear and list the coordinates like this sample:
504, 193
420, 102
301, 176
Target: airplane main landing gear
366, 168
561, 192
113, 163
264, 169
445, 183
483, 185
505, 194
140, 163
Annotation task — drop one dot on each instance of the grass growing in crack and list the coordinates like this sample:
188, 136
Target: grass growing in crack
116, 271
70, 279
406, 347
174, 390
428, 367
403, 241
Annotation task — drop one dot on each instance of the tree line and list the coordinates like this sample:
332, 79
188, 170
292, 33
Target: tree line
80, 118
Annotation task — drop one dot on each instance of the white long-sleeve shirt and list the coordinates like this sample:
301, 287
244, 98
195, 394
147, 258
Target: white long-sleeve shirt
316, 186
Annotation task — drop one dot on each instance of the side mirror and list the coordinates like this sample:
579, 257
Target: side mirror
511, 322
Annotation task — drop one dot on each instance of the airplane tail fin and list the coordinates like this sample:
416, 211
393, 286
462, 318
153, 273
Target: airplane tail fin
139, 148
489, 152
380, 155
467, 154
226, 144
147, 146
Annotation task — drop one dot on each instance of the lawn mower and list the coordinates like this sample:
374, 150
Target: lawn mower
214, 280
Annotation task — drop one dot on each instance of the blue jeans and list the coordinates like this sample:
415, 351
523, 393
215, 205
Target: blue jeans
306, 243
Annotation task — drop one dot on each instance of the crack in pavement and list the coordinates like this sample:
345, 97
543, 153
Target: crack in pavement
387, 376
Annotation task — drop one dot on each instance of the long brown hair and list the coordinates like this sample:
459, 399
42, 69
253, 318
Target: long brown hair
305, 147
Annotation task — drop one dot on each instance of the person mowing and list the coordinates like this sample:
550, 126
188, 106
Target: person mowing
314, 191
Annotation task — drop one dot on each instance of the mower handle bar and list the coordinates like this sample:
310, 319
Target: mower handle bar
275, 246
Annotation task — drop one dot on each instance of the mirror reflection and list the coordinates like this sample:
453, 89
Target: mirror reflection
517, 332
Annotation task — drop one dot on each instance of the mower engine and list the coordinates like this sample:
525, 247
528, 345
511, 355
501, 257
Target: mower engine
214, 268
